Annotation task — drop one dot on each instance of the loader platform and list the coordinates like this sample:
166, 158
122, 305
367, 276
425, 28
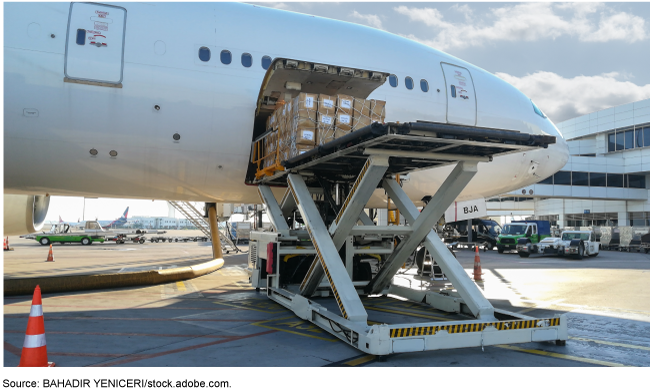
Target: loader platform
411, 146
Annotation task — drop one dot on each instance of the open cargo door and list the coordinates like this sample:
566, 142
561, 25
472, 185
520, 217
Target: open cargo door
287, 78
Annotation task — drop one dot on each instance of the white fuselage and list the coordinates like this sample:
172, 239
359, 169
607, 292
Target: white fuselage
51, 125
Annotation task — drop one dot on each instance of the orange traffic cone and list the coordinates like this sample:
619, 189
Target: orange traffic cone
50, 256
34, 348
5, 246
477, 266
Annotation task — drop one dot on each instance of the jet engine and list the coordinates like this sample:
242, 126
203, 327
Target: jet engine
24, 214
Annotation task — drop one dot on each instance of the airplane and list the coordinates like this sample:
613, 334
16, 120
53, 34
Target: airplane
160, 102
117, 223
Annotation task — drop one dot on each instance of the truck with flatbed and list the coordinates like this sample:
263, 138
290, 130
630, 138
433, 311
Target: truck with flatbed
531, 232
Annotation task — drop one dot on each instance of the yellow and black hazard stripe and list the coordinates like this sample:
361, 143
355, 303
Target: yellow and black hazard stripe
311, 270
476, 327
352, 191
327, 273
293, 192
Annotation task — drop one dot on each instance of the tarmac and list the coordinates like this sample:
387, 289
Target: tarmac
219, 320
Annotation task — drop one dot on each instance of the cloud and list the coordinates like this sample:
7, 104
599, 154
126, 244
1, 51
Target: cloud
588, 22
368, 19
283, 6
565, 98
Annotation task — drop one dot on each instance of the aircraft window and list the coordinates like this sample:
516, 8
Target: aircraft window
266, 62
424, 85
204, 54
226, 57
408, 82
453, 91
392, 79
81, 36
246, 60
537, 110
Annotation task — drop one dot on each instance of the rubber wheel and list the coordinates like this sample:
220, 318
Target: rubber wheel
523, 254
86, 241
141, 241
44, 241
596, 254
560, 343
581, 252
500, 250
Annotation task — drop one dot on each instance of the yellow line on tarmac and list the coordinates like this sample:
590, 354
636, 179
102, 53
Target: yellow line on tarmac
361, 360
611, 343
180, 286
561, 356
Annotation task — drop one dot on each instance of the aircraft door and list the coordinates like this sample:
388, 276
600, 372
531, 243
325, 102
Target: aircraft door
461, 99
95, 44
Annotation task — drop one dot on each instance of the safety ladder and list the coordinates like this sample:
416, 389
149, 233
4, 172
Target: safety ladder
196, 218
373, 161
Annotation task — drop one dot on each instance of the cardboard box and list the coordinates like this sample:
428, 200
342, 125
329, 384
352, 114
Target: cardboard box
326, 105
361, 115
305, 136
343, 121
325, 129
344, 104
303, 120
377, 110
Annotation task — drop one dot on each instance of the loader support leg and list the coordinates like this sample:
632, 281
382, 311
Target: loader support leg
273, 209
472, 295
327, 254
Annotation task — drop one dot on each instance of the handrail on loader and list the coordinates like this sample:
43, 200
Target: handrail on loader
267, 162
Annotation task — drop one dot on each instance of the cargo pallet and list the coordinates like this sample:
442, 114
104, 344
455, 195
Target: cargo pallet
359, 163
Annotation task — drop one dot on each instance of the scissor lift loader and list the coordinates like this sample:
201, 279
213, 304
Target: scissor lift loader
363, 161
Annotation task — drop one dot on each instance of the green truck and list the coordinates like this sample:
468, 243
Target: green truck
63, 233
532, 231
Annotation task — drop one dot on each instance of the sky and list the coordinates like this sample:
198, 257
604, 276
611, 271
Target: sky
570, 58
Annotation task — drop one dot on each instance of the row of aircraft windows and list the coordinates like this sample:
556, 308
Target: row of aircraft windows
247, 61
595, 179
408, 83
226, 58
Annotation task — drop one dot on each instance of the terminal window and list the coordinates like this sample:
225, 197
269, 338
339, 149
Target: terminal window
629, 138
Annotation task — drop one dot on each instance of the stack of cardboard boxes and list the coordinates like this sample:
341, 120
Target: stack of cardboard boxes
309, 120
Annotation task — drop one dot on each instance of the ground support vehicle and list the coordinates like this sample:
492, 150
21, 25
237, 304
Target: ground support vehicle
532, 232
64, 234
484, 233
573, 243
318, 249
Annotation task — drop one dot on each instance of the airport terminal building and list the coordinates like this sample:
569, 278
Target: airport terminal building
604, 183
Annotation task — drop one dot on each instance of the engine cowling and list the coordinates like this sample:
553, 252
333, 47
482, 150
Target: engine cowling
24, 214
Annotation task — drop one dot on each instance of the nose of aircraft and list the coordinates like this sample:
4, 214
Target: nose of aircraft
557, 154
